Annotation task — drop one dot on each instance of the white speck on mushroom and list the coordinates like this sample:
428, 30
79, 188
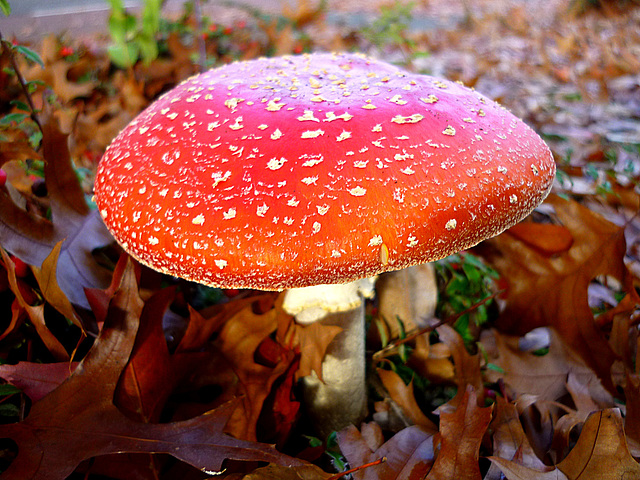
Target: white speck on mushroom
397, 99
143, 130
449, 131
128, 166
263, 126
358, 191
451, 224
412, 241
136, 216
213, 125
163, 192
535, 170
316, 227
331, 117
293, 202
229, 214
308, 117
513, 199
408, 171
232, 103
502, 169
343, 136
313, 161
287, 221
335, 254
360, 163
312, 134
322, 209
415, 118
276, 134
237, 125
154, 241
275, 164
309, 180
377, 128
469, 120
199, 220
103, 213
375, 241
220, 263
430, 99
262, 210
274, 106
142, 190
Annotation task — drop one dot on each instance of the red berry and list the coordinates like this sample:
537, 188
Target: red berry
3, 177
66, 51
228, 30
22, 269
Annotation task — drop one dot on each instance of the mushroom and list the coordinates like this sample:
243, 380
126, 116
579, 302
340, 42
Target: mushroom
320, 169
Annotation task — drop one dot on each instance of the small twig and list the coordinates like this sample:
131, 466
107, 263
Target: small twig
366, 465
380, 354
23, 84
202, 51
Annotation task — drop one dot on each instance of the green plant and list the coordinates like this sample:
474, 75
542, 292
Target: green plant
390, 29
134, 39
467, 282
5, 7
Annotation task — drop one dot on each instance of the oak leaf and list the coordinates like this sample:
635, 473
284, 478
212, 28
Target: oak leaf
461, 432
409, 453
80, 229
601, 452
553, 291
78, 420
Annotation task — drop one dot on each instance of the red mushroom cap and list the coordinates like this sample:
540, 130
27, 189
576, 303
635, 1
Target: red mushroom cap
324, 168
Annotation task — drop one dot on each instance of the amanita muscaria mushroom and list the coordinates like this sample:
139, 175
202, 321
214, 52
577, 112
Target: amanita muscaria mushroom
284, 173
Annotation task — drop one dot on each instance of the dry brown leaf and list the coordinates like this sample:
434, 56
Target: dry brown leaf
461, 431
32, 238
601, 452
467, 366
36, 313
544, 376
409, 454
403, 395
509, 440
78, 420
409, 295
553, 291
237, 342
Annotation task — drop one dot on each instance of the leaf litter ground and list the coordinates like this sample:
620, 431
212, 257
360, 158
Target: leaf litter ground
174, 375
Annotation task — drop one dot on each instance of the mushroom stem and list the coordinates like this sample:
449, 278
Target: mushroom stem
340, 398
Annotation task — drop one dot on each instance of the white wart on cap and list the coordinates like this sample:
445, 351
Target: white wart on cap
323, 168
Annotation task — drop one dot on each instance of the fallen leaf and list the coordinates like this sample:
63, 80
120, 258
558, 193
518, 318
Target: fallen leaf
78, 420
461, 431
35, 313
403, 395
37, 380
601, 452
544, 376
237, 342
554, 291
409, 454
32, 238
509, 440
467, 366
